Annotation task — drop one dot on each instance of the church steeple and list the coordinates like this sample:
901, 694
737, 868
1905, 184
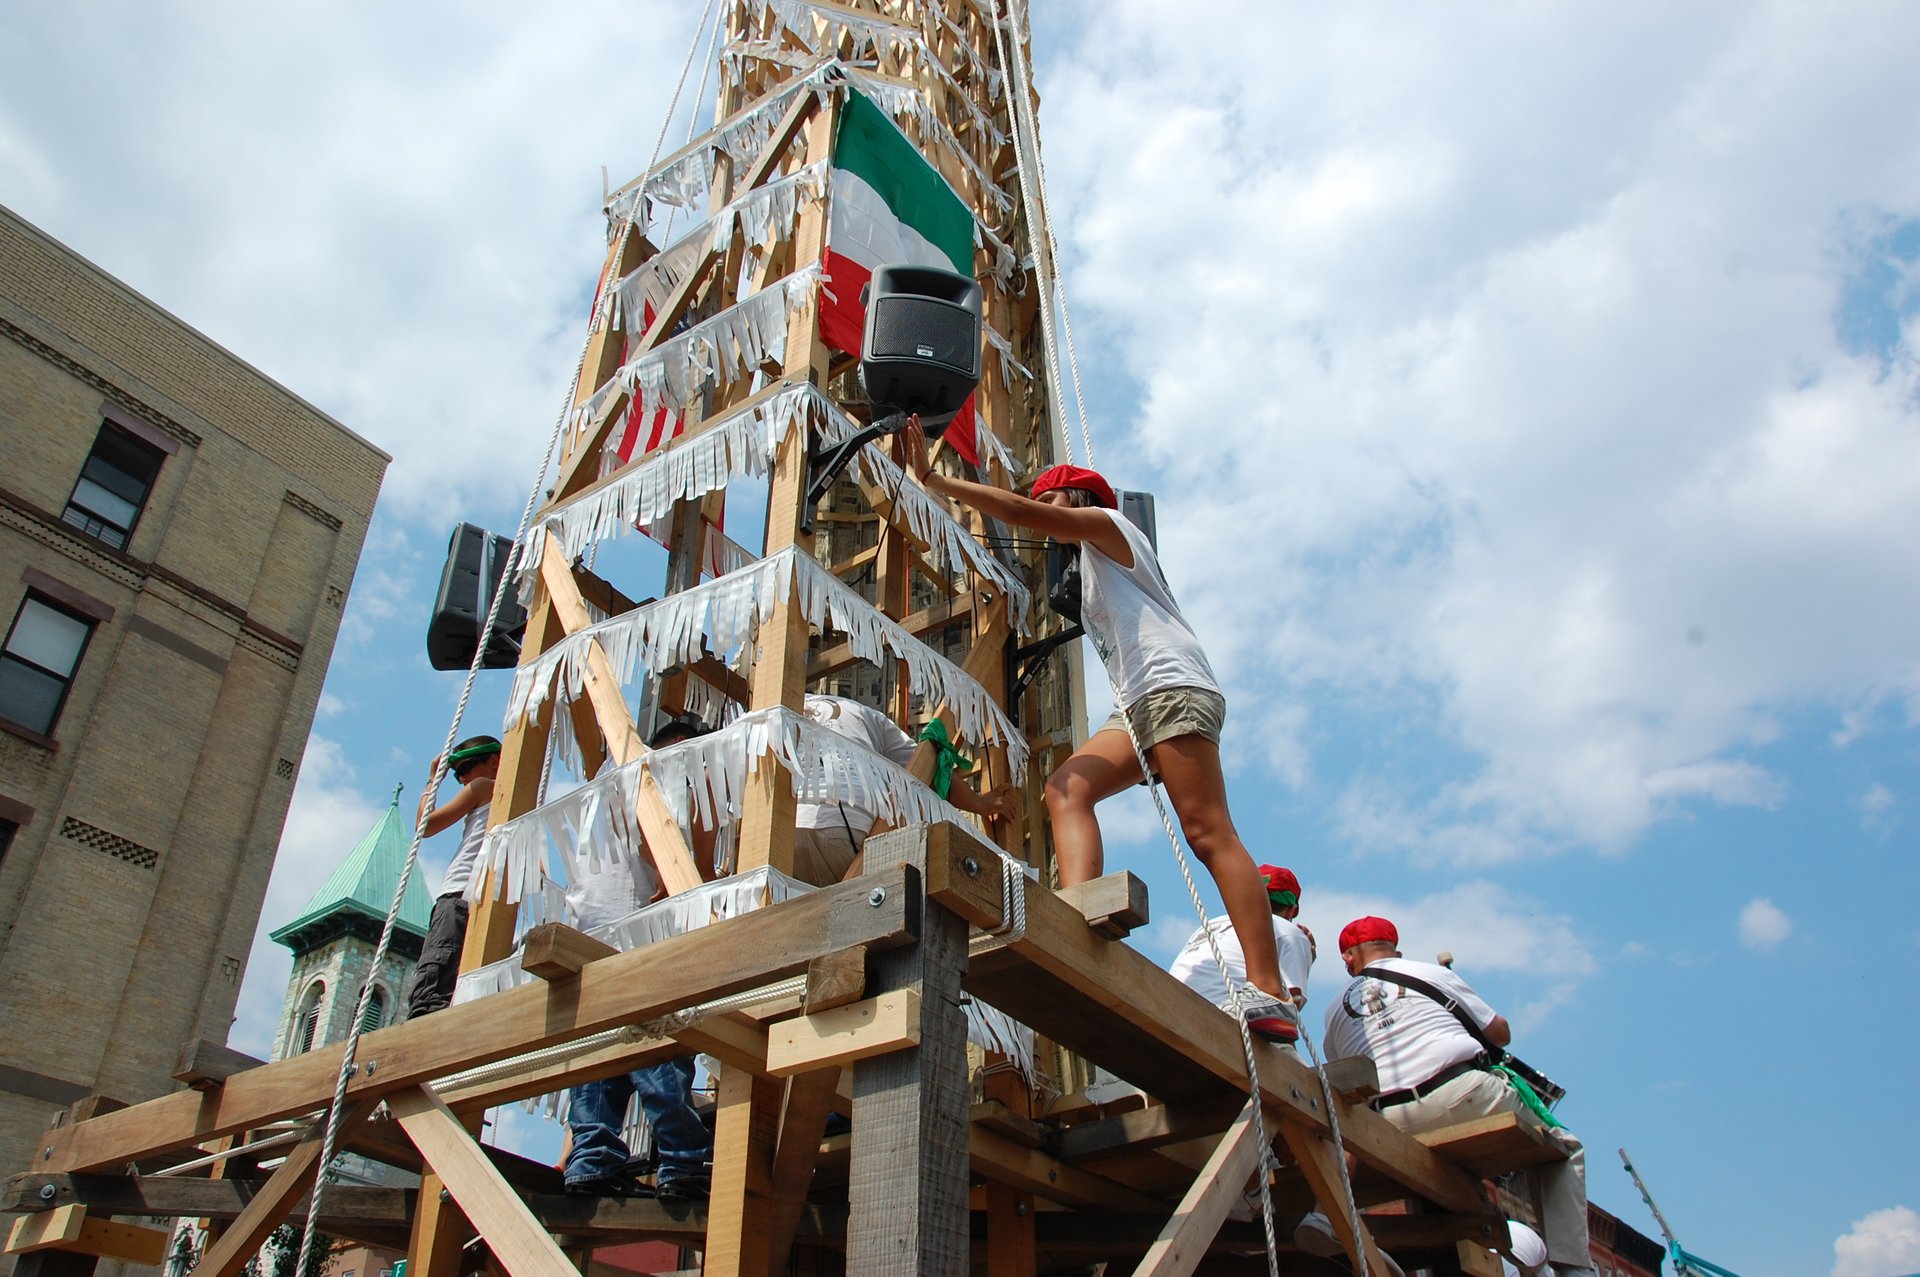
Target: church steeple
334, 938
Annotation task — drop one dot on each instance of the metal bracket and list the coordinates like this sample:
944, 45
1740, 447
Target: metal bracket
1030, 658
825, 462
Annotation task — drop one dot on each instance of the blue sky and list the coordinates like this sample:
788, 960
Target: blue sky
1529, 395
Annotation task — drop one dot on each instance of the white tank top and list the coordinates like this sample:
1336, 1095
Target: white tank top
1135, 624
472, 833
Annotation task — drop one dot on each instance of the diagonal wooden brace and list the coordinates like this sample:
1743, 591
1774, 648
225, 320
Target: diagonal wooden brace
1183, 1243
243, 1238
518, 1241
664, 843
1321, 1166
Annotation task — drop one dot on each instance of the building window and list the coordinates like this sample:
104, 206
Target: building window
113, 486
43, 649
307, 1029
376, 1011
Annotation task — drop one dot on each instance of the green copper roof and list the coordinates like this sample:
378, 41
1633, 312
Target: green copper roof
363, 885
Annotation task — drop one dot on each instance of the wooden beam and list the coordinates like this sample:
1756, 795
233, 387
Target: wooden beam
242, 1239
1114, 905
833, 659
72, 1228
1496, 1144
858, 1031
803, 1120
1148, 1128
836, 979
1114, 1006
1010, 1231
907, 1190
1320, 1163
740, 1211
995, 1156
1183, 1243
726, 957
204, 1065
512, 1233
555, 951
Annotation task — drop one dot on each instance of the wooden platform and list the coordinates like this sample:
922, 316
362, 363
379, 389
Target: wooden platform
1055, 1194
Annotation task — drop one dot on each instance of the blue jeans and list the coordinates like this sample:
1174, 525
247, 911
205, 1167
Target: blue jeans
597, 1113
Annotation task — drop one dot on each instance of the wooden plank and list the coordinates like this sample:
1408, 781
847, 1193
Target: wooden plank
1477, 1261
858, 1031
1319, 1162
1011, 1162
907, 1188
740, 1212
803, 1120
726, 957
1183, 1243
1495, 1145
1010, 1232
204, 1065
831, 660
242, 1239
73, 1228
1114, 905
555, 951
1115, 1007
515, 1237
1355, 1079
1146, 1128
46, 1231
835, 979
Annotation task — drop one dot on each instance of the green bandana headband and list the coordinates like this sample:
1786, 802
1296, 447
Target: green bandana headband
1284, 899
472, 753
946, 759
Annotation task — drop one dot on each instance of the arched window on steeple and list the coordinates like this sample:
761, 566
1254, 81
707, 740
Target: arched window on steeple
306, 1029
376, 1012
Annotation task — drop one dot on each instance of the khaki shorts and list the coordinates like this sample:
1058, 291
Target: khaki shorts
1162, 715
822, 856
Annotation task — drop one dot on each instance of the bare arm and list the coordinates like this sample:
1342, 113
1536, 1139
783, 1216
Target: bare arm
998, 803
1498, 1031
1063, 523
472, 796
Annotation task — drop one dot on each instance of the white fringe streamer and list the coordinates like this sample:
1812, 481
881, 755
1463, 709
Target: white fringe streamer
722, 617
704, 780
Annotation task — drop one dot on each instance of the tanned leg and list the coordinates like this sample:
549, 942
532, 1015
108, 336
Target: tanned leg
1099, 769
1189, 768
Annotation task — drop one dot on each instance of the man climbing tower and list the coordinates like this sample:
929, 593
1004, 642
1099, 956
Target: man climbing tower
474, 763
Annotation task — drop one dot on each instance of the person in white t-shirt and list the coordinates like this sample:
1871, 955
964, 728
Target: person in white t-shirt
1195, 967
1435, 1073
1164, 689
829, 833
474, 762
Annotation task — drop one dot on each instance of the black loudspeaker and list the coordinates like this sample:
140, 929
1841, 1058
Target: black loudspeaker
476, 562
921, 351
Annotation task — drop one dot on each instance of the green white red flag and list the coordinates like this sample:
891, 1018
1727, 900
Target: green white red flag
887, 207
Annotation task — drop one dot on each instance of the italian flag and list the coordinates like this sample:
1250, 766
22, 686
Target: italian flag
887, 207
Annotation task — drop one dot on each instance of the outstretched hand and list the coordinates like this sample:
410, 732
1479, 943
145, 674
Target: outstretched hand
1001, 802
913, 443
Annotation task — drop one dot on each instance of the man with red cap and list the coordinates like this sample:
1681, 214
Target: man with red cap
1195, 967
1435, 1043
1168, 705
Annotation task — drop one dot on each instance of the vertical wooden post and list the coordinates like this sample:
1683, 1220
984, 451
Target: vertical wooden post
740, 1211
907, 1192
1010, 1250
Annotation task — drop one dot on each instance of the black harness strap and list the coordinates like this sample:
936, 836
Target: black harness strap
1495, 1054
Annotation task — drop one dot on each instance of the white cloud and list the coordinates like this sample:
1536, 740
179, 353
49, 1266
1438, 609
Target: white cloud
1763, 925
1523, 399
1884, 1243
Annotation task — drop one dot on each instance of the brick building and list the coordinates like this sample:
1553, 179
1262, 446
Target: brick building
177, 537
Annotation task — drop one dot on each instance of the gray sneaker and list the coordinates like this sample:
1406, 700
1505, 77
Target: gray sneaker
1271, 1018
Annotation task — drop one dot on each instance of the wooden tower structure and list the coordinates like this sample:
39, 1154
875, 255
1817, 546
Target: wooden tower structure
707, 364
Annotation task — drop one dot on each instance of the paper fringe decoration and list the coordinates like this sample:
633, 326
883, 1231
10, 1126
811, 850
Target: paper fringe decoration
722, 617
744, 442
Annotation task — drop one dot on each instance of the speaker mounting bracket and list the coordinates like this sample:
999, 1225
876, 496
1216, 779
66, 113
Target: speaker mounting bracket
826, 461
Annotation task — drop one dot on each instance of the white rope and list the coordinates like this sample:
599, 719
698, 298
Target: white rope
1233, 994
1019, 108
1023, 101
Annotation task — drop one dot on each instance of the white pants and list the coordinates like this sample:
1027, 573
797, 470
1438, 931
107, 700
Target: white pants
1559, 1188
822, 856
